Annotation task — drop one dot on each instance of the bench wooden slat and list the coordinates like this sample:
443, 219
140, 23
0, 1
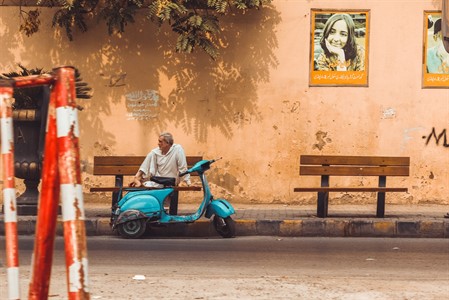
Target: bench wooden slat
354, 160
133, 160
118, 160
350, 189
127, 165
116, 170
354, 171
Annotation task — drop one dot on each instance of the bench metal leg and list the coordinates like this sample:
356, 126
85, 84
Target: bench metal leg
174, 203
115, 195
323, 198
381, 198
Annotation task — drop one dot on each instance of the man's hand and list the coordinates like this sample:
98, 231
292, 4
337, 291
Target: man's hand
135, 183
185, 183
339, 52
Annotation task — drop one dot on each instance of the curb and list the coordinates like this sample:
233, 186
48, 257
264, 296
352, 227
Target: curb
329, 227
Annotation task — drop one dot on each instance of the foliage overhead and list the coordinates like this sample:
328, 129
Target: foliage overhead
31, 97
195, 21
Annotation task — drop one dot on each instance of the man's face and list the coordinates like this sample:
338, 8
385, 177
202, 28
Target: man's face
163, 145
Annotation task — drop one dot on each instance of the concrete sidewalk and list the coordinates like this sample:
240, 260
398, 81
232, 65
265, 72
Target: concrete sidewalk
426, 221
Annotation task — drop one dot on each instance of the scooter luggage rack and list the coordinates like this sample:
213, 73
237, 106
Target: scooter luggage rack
61, 176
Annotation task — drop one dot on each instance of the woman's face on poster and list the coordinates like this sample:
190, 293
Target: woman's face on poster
338, 35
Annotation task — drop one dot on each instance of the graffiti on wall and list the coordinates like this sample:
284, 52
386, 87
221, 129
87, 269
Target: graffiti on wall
141, 105
436, 137
114, 80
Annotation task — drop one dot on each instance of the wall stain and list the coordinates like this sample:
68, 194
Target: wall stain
389, 113
322, 139
226, 181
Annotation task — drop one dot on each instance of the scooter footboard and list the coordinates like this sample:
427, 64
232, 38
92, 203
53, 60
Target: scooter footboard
129, 215
219, 207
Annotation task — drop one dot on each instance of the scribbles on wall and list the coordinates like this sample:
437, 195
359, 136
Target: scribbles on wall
436, 137
142, 105
409, 134
114, 80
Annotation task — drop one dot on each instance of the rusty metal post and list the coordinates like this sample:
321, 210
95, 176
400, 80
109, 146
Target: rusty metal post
61, 179
9, 191
47, 212
70, 180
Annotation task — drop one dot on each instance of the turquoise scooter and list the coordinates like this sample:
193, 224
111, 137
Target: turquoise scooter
142, 208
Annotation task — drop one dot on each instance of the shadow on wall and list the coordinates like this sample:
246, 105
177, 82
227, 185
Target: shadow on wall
207, 95
223, 94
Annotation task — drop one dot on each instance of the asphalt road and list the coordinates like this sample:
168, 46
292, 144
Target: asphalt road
253, 268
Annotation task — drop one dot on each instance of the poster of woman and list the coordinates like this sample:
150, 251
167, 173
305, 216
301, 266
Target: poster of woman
339, 48
435, 58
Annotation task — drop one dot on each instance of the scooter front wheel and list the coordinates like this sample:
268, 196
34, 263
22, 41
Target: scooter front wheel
133, 229
224, 226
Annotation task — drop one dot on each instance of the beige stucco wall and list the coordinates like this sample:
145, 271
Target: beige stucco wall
254, 106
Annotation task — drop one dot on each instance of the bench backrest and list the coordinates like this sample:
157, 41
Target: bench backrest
126, 165
354, 165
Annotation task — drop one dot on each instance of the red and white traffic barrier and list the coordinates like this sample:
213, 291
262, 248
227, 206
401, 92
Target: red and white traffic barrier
47, 213
61, 179
70, 182
9, 191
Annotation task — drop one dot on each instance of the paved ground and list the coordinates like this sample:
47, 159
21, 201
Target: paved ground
252, 267
286, 220
291, 212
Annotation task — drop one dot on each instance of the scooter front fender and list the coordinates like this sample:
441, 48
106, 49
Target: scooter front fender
219, 207
129, 215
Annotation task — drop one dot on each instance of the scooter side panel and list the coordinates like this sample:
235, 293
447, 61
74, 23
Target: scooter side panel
220, 207
158, 194
148, 202
145, 203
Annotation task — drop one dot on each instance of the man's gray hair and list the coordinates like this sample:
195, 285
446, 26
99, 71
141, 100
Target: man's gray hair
168, 137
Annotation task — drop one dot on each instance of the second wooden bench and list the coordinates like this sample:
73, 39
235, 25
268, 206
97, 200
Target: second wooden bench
326, 166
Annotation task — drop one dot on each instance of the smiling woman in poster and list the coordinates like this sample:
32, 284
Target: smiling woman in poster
340, 50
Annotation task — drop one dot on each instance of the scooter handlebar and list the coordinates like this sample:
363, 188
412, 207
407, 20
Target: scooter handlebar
214, 160
190, 170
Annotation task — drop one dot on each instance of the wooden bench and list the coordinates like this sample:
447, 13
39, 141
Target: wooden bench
120, 166
326, 166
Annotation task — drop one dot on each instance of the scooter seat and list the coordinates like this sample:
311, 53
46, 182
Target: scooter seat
165, 181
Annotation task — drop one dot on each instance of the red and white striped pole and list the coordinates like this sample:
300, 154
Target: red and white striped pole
47, 212
9, 191
70, 182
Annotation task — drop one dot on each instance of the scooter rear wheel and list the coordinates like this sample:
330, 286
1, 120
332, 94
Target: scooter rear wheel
225, 227
133, 229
